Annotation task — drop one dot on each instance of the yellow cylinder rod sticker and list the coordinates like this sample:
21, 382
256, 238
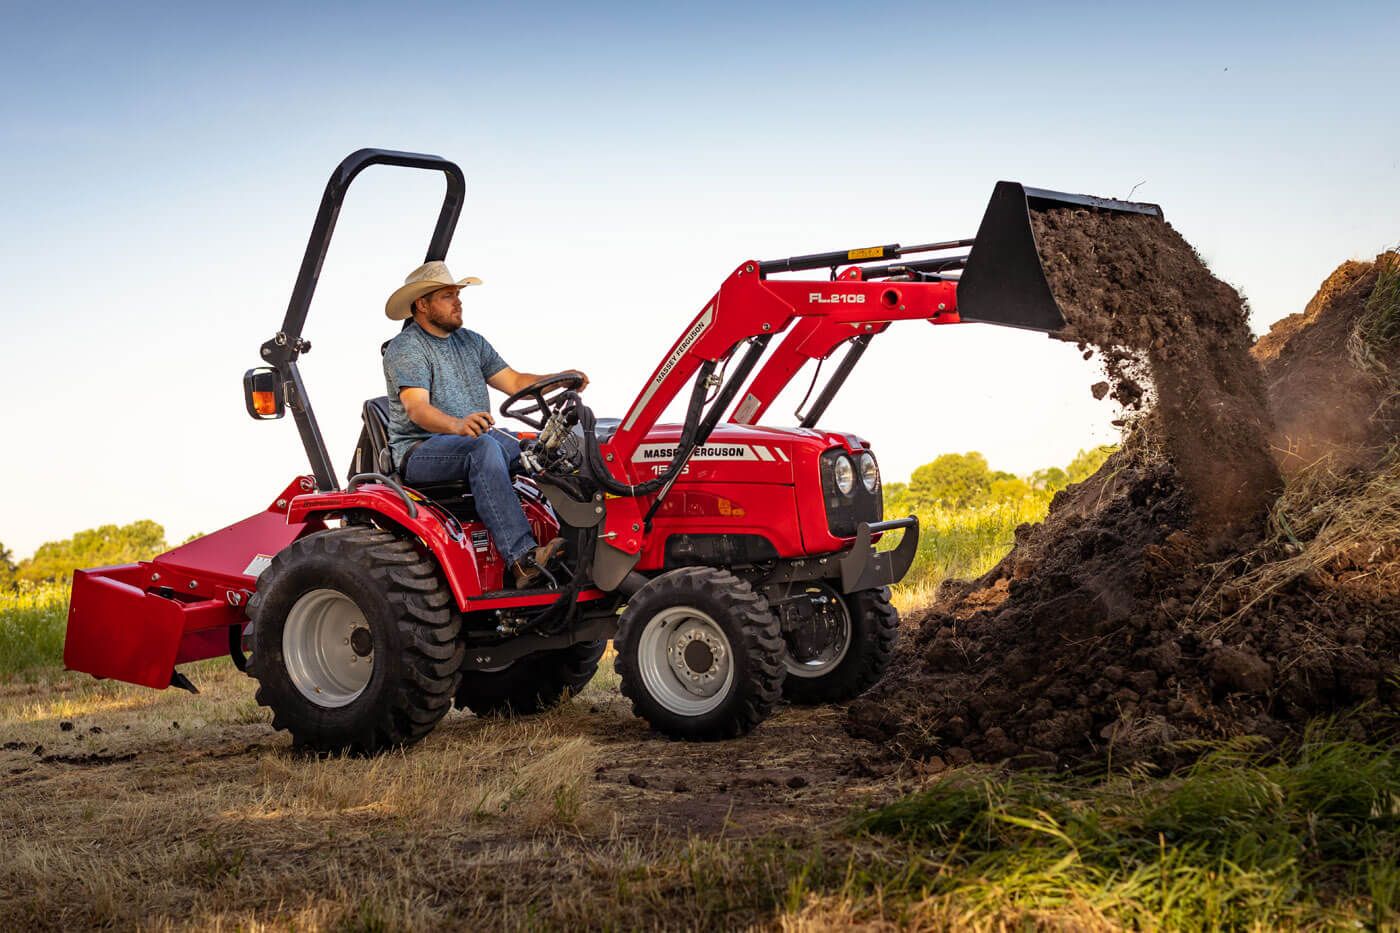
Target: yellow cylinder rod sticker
870, 252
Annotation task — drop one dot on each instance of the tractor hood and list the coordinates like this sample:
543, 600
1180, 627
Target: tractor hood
741, 453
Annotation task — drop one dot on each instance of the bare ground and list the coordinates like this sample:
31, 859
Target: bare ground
135, 808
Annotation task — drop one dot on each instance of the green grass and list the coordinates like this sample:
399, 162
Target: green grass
32, 623
959, 543
1244, 839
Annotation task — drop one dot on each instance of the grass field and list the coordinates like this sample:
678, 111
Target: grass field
958, 543
32, 620
129, 807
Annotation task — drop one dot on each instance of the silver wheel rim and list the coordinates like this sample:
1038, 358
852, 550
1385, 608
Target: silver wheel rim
832, 657
316, 648
672, 654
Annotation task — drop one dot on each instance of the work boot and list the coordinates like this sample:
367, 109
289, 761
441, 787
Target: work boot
529, 568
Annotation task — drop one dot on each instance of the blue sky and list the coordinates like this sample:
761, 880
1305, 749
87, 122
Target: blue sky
160, 165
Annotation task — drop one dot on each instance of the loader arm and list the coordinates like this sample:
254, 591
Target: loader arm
1000, 282
746, 312
748, 306
817, 338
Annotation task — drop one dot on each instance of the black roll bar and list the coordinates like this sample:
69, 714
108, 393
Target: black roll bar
282, 350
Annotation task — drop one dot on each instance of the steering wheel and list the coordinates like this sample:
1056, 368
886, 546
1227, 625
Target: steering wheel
535, 403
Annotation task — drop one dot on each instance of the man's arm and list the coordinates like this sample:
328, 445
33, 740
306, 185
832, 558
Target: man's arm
435, 421
510, 382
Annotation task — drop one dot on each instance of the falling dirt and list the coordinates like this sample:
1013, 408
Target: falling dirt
1131, 286
1117, 630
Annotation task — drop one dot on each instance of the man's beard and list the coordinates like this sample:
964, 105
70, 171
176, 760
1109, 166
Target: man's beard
446, 322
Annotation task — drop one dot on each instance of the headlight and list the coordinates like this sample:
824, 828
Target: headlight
869, 472
845, 475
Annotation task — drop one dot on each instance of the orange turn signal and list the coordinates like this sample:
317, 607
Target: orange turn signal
265, 403
262, 394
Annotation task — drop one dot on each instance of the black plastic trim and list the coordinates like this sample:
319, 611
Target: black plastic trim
864, 568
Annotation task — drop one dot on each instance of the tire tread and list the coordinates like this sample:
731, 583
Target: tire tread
427, 626
763, 645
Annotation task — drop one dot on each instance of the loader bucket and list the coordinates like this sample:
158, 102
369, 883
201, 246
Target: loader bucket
1003, 282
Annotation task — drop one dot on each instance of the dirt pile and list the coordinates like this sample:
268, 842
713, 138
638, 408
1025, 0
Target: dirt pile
1329, 374
1131, 286
1117, 629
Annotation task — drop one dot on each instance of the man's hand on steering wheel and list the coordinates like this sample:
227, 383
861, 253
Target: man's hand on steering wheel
536, 402
581, 374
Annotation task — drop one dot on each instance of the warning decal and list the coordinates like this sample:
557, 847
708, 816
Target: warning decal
257, 565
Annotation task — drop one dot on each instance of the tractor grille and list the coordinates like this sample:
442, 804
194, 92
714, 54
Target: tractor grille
844, 512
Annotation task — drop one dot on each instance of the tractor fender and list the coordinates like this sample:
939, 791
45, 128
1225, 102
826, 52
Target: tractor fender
450, 544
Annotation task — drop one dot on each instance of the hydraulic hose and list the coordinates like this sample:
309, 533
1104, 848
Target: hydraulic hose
597, 470
561, 613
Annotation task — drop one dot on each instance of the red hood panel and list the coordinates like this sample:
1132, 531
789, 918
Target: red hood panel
740, 453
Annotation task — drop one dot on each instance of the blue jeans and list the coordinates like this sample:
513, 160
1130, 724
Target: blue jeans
485, 463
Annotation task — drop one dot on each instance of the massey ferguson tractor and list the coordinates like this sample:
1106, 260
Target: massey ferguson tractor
731, 564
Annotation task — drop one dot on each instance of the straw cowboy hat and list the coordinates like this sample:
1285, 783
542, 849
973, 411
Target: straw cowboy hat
424, 280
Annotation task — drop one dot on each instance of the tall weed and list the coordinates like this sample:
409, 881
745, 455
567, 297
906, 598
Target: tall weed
32, 622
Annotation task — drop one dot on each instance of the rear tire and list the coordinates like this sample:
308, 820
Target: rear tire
532, 684
355, 642
700, 654
874, 629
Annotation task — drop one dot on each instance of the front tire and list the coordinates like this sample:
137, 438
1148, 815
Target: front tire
532, 684
355, 642
700, 654
870, 626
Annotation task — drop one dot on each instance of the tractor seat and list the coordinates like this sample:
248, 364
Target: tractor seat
372, 455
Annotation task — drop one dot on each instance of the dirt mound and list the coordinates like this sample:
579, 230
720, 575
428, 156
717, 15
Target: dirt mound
1131, 286
1117, 629
1328, 387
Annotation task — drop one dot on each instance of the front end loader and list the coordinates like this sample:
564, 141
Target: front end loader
730, 563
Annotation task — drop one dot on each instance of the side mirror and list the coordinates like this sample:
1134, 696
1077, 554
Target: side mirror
260, 392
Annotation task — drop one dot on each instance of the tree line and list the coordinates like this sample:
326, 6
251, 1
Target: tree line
55, 561
961, 481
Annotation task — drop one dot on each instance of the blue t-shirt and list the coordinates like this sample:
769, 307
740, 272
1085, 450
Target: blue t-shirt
453, 369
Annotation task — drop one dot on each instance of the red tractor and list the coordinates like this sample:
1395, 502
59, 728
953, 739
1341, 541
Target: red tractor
731, 564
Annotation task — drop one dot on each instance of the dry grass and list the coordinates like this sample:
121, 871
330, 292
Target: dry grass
1321, 525
208, 820
164, 810
1372, 342
189, 813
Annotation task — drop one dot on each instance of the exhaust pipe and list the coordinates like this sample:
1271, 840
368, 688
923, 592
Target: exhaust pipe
1003, 282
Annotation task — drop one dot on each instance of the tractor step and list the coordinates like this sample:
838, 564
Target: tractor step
533, 596
528, 591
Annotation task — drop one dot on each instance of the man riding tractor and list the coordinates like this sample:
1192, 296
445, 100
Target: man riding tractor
730, 563
440, 429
